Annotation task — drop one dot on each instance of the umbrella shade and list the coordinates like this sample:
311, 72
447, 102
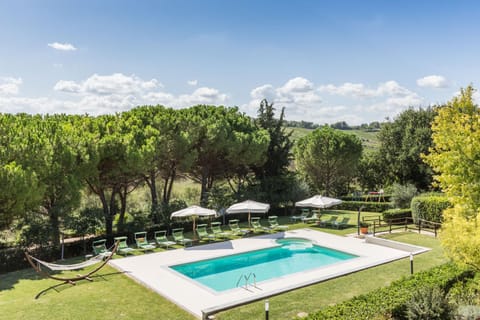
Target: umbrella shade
193, 211
318, 202
248, 206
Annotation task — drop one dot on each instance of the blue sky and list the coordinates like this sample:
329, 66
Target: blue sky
324, 61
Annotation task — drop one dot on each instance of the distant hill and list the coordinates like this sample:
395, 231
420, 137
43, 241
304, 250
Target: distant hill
369, 138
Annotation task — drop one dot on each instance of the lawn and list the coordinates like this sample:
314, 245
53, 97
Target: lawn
312, 298
113, 295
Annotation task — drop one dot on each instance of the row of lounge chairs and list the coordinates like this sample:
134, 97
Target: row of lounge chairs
334, 222
160, 238
313, 216
235, 230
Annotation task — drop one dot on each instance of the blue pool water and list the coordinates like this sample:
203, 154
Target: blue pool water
291, 256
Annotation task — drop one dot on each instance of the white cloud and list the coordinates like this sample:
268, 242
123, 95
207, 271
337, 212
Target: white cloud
192, 83
355, 103
359, 90
296, 85
62, 46
67, 86
116, 83
201, 95
102, 94
297, 95
9, 85
433, 81
302, 101
266, 91
348, 89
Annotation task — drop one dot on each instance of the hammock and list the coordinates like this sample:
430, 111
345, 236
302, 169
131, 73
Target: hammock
67, 267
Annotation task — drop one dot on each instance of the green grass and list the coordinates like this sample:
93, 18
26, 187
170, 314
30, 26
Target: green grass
113, 295
312, 298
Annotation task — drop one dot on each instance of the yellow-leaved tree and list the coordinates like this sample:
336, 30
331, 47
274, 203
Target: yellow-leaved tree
455, 157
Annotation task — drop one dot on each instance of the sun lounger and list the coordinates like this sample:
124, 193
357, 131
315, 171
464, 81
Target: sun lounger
328, 222
123, 247
178, 237
203, 233
161, 239
100, 248
235, 228
272, 220
218, 232
303, 215
341, 224
256, 226
311, 219
141, 241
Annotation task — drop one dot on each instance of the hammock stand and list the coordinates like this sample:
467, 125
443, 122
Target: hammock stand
71, 280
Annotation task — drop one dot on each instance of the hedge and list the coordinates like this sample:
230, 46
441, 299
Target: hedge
394, 215
364, 198
429, 207
369, 206
13, 259
392, 300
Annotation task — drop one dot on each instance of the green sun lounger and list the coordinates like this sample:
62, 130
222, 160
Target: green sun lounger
341, 224
328, 222
123, 247
179, 238
303, 215
218, 232
272, 220
235, 228
141, 241
203, 233
161, 239
100, 248
257, 226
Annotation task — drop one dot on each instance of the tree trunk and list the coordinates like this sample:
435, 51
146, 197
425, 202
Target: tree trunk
152, 185
49, 205
173, 175
203, 190
106, 213
55, 223
122, 193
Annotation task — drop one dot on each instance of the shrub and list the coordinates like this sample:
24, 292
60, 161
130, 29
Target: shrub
364, 197
35, 229
429, 303
369, 206
396, 215
88, 220
429, 207
402, 195
392, 300
13, 259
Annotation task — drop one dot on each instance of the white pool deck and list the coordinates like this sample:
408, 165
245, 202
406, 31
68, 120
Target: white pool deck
152, 269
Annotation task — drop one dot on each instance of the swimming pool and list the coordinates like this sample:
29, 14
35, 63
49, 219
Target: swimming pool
291, 255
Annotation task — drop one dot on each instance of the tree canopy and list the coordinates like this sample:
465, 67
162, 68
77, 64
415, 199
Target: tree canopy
455, 158
401, 144
328, 158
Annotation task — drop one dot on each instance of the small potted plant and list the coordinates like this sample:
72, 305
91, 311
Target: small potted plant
363, 227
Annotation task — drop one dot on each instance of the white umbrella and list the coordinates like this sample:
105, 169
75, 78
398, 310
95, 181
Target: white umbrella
193, 211
318, 202
249, 206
